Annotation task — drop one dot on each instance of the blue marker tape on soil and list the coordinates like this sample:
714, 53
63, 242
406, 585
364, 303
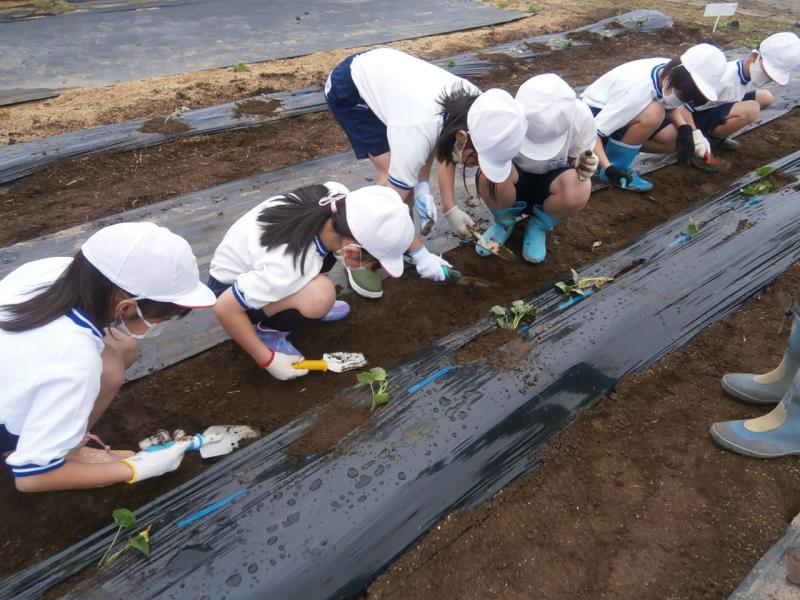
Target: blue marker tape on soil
418, 386
208, 510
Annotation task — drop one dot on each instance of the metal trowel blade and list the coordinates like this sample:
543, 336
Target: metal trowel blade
219, 440
339, 362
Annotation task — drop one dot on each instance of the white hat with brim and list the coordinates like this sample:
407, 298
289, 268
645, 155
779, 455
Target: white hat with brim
380, 222
549, 104
780, 55
497, 126
706, 64
149, 262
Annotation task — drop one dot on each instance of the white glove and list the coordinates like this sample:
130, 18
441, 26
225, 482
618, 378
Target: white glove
429, 266
460, 222
586, 165
281, 367
152, 464
701, 144
426, 206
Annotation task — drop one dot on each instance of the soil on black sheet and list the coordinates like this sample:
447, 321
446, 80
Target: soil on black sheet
73, 191
222, 385
254, 106
159, 125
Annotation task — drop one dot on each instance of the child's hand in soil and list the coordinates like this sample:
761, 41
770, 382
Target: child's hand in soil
281, 367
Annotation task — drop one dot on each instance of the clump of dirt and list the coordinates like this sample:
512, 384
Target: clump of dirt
779, 179
159, 125
484, 345
585, 36
337, 418
537, 47
743, 225
254, 106
499, 59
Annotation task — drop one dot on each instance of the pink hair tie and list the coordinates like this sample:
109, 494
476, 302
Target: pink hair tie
331, 200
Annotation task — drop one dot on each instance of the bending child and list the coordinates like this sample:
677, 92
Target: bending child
269, 269
386, 102
68, 331
635, 102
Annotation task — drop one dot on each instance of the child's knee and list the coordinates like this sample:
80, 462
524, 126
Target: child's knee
652, 116
319, 297
764, 98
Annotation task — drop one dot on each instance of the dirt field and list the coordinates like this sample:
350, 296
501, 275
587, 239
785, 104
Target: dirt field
620, 483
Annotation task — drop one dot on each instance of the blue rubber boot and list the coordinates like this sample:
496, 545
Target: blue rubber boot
276, 340
534, 248
502, 227
622, 155
775, 434
770, 387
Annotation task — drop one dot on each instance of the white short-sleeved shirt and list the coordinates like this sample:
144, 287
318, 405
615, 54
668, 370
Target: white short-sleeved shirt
624, 92
259, 276
403, 91
582, 137
734, 85
51, 375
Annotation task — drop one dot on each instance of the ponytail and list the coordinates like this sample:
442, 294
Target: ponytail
81, 286
298, 219
455, 107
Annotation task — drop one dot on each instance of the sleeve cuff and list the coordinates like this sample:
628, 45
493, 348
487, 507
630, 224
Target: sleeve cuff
28, 470
399, 184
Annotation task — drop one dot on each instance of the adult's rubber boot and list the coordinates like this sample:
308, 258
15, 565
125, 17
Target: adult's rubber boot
500, 231
770, 387
622, 155
775, 434
534, 248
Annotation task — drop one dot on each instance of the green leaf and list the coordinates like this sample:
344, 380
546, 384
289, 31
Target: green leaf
563, 287
534, 9
365, 377
497, 311
240, 66
517, 304
140, 543
378, 374
575, 277
692, 229
764, 171
379, 399
124, 518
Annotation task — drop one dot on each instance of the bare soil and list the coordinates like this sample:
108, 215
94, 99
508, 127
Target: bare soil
634, 500
222, 385
73, 191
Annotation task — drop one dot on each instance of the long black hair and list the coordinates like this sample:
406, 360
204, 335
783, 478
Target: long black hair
298, 218
81, 286
455, 106
681, 81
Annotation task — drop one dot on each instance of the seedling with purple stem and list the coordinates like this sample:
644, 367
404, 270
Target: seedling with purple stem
141, 541
378, 382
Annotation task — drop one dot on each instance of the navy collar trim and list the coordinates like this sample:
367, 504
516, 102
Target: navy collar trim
743, 78
655, 76
77, 316
321, 249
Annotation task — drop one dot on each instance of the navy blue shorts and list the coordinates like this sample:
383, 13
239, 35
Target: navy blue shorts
708, 120
619, 133
532, 188
8, 441
366, 132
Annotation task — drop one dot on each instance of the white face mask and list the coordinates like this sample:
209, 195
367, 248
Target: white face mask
758, 76
670, 101
153, 329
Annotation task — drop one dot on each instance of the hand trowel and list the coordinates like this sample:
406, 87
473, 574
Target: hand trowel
338, 362
217, 440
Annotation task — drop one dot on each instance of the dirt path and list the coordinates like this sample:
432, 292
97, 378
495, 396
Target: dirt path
89, 107
634, 500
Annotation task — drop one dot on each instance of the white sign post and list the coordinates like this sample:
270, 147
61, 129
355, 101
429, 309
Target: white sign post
720, 9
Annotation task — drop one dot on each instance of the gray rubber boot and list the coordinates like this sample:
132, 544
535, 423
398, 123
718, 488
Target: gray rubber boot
770, 387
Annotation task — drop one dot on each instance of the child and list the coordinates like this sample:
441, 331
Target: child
386, 102
550, 177
268, 270
61, 370
740, 98
630, 103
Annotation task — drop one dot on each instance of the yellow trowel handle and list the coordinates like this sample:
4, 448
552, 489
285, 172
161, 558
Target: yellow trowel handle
311, 365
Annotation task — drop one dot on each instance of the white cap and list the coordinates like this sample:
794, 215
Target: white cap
497, 126
149, 262
706, 64
550, 111
780, 54
380, 222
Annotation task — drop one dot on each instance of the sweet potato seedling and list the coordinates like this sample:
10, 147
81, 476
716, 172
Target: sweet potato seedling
141, 541
176, 114
762, 186
579, 285
511, 318
240, 66
378, 383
